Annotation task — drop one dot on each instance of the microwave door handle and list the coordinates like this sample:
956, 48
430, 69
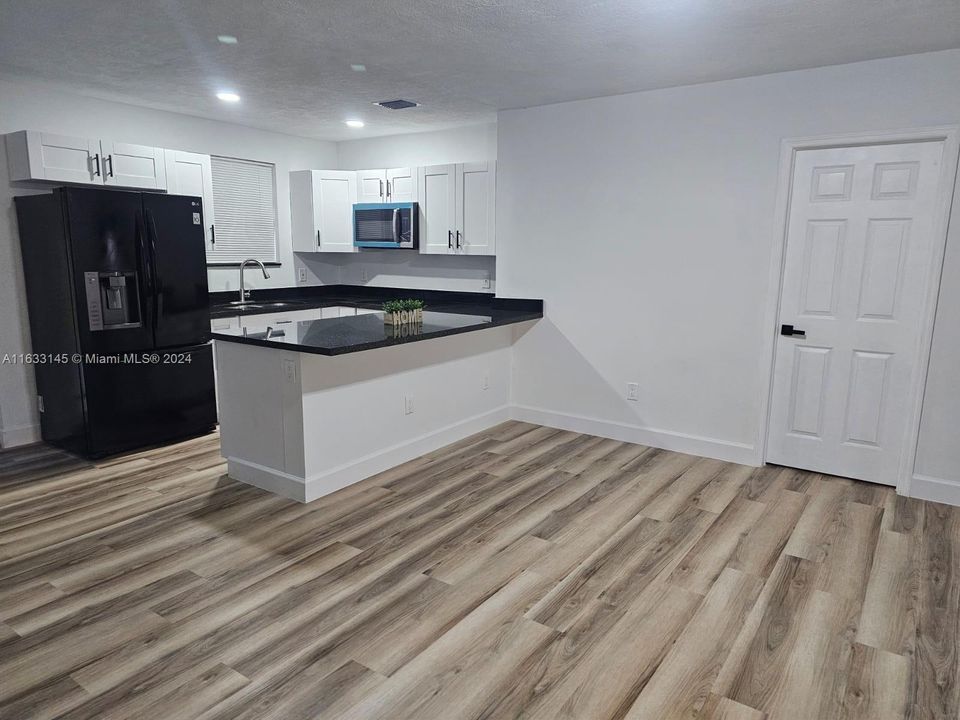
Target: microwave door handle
396, 226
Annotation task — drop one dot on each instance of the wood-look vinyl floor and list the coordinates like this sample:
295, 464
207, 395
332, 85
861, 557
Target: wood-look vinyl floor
522, 573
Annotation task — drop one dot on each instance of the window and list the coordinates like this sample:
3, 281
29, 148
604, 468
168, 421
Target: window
245, 198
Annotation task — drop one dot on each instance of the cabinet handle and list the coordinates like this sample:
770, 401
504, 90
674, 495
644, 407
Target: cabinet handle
318, 238
458, 239
96, 159
450, 239
213, 235
388, 189
109, 159
381, 187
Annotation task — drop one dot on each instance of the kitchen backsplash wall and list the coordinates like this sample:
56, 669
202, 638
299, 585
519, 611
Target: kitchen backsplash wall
401, 268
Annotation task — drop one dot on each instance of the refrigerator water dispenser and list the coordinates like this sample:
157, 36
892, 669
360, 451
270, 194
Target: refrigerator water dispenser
112, 300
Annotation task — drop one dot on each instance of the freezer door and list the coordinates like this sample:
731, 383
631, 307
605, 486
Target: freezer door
136, 404
109, 269
174, 230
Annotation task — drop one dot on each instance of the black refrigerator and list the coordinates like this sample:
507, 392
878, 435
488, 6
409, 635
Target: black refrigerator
119, 317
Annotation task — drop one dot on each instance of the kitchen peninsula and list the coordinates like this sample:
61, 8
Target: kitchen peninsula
316, 392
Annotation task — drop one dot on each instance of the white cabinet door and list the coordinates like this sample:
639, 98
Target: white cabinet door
35, 155
475, 211
371, 186
321, 210
303, 223
189, 174
436, 190
334, 192
134, 166
401, 185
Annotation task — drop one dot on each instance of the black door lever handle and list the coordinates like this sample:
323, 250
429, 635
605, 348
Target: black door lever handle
791, 331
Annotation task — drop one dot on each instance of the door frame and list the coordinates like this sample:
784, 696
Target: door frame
789, 147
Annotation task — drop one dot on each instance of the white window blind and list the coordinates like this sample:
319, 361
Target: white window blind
245, 197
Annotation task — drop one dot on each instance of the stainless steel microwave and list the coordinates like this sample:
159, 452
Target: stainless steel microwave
385, 225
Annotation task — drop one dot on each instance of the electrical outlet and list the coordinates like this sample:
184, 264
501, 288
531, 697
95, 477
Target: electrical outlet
633, 391
289, 370
408, 404
485, 382
485, 283
364, 275
302, 274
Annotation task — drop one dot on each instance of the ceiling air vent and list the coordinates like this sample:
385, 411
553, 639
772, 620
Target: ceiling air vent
396, 104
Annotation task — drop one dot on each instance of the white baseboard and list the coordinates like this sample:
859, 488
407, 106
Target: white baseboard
339, 477
310, 488
265, 478
665, 439
19, 435
935, 489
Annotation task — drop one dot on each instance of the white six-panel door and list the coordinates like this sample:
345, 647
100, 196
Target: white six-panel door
857, 267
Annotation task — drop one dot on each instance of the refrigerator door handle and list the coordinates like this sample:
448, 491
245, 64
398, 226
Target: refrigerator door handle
155, 270
144, 260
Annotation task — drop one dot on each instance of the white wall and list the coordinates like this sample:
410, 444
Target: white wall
34, 106
464, 144
407, 269
646, 223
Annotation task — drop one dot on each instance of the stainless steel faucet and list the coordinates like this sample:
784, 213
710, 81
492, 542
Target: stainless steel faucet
243, 293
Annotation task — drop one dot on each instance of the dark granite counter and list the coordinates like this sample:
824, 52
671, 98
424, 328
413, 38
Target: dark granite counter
446, 313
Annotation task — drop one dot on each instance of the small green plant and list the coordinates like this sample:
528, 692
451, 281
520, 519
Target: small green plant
393, 306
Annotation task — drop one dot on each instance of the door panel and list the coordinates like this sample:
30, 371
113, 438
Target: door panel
856, 273
67, 159
436, 186
135, 404
371, 186
190, 174
175, 235
106, 236
401, 185
335, 192
867, 383
134, 166
822, 261
810, 365
476, 192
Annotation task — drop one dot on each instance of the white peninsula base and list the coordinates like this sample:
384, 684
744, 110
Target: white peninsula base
303, 425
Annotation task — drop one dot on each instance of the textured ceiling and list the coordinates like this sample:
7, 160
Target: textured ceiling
462, 59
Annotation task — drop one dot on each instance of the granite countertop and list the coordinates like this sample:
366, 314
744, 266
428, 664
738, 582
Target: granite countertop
446, 313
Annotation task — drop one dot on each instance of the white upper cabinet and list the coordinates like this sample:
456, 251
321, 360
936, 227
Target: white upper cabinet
457, 209
134, 166
321, 210
371, 186
436, 188
401, 185
44, 156
475, 208
189, 174
391, 185
35, 155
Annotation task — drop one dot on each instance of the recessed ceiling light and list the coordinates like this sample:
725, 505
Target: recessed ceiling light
354, 123
229, 97
227, 39
358, 67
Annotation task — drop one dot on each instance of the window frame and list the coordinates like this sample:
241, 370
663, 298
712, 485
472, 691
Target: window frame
226, 263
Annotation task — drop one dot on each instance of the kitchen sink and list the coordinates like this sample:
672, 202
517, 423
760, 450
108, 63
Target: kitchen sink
253, 305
